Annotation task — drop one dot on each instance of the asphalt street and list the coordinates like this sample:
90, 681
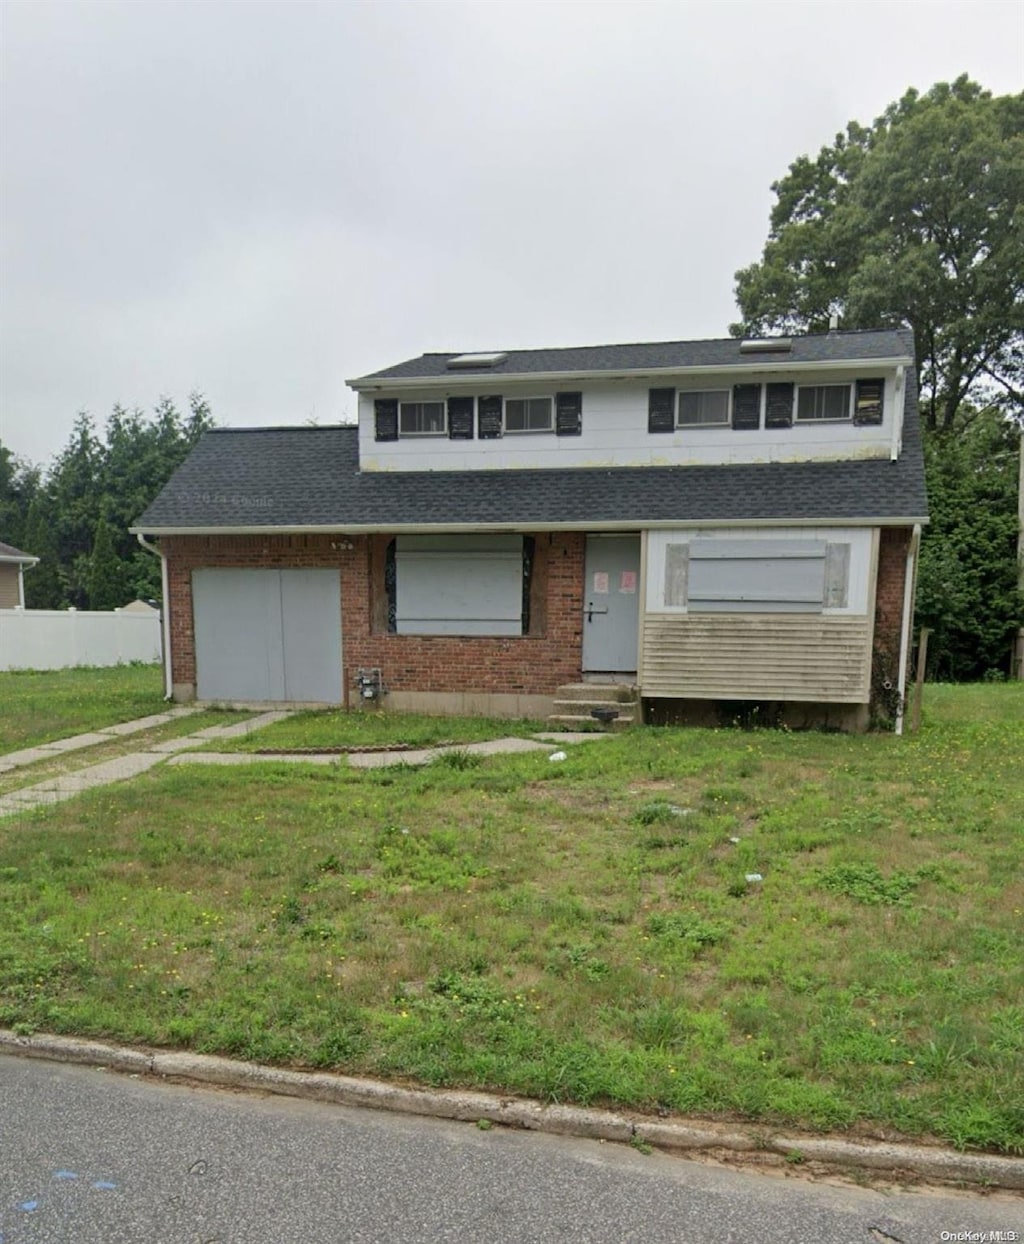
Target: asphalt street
93, 1157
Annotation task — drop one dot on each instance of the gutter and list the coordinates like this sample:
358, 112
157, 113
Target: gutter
909, 586
165, 610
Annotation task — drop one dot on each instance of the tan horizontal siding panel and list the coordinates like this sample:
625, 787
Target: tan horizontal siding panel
757, 656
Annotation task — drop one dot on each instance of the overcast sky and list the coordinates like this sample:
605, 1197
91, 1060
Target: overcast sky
260, 200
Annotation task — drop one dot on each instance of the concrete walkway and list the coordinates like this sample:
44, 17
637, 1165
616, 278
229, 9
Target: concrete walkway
382, 759
67, 785
60, 747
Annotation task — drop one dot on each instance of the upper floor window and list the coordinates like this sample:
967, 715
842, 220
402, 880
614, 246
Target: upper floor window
823, 401
529, 414
421, 419
704, 409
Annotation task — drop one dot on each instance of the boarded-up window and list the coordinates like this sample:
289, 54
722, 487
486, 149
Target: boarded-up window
459, 585
677, 564
756, 576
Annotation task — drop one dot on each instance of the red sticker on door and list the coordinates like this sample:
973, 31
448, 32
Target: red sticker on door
601, 583
627, 583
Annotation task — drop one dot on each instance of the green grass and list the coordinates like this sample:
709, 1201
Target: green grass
114, 746
42, 705
580, 932
369, 728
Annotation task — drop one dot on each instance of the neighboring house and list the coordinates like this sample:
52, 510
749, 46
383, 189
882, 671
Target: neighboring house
712, 522
13, 563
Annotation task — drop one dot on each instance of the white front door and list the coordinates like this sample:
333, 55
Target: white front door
611, 604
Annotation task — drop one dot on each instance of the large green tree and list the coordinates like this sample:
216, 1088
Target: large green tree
967, 578
18, 485
75, 518
917, 219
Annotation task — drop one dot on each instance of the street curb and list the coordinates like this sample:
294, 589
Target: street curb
927, 1162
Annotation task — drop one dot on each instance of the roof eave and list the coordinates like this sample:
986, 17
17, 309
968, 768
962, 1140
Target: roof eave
359, 529
369, 384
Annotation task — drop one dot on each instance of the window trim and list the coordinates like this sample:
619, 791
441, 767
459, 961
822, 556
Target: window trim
443, 431
532, 397
850, 388
723, 423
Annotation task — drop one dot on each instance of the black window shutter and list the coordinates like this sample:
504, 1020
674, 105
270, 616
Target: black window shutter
385, 419
746, 407
460, 418
568, 414
868, 407
778, 406
661, 410
488, 413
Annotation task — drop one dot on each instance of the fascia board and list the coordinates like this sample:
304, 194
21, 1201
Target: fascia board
402, 529
453, 380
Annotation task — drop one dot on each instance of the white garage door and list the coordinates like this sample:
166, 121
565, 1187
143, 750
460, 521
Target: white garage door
268, 635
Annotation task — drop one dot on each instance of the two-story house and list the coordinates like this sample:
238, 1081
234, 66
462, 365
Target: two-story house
709, 522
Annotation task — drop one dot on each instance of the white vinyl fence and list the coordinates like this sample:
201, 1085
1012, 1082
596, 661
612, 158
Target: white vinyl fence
52, 639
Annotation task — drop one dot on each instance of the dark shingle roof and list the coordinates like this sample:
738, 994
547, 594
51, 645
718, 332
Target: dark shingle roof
654, 356
309, 477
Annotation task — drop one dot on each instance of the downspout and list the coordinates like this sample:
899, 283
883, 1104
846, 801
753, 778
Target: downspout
165, 611
909, 583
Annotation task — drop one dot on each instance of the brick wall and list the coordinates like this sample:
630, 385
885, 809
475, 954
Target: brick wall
892, 566
530, 665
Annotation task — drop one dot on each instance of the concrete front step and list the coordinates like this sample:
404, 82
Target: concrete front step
625, 708
596, 692
576, 721
574, 702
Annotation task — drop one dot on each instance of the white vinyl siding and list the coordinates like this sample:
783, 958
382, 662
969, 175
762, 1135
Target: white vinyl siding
794, 657
459, 585
613, 431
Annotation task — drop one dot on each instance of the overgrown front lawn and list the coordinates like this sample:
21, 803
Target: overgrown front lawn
38, 706
580, 931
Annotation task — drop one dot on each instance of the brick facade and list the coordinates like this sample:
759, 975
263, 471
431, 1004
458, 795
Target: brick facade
533, 664
892, 568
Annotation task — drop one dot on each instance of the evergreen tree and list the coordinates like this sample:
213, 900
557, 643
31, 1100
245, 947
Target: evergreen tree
44, 585
106, 572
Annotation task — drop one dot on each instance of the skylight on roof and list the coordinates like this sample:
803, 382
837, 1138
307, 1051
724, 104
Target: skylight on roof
476, 360
766, 345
